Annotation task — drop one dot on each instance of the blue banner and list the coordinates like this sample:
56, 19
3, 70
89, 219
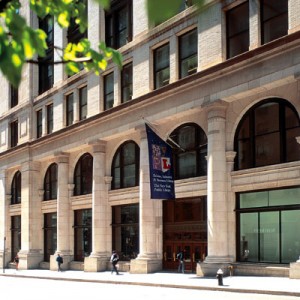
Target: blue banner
161, 167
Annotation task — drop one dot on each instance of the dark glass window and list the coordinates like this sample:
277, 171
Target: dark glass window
274, 19
16, 188
14, 134
50, 183
82, 234
161, 66
125, 166
190, 150
237, 20
69, 109
125, 227
266, 226
46, 67
14, 96
267, 135
118, 24
83, 103
108, 91
126, 83
15, 236
49, 118
39, 123
83, 175
50, 235
188, 53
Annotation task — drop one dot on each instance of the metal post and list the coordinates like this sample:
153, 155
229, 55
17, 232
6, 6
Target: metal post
3, 263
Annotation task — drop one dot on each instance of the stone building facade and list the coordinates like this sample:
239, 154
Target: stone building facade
221, 85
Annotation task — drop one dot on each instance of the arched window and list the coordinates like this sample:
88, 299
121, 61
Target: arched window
83, 176
190, 150
50, 183
125, 166
266, 135
16, 188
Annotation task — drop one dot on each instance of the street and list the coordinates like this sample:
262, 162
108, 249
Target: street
37, 289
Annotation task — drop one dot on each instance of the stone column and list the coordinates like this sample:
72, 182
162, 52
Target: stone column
149, 259
217, 206
254, 24
4, 257
101, 220
63, 213
31, 217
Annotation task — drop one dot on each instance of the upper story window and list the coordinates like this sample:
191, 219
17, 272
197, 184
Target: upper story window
188, 53
69, 109
49, 109
83, 175
237, 30
16, 188
14, 134
14, 96
39, 123
118, 24
274, 19
267, 135
46, 67
50, 183
190, 156
83, 103
126, 83
108, 91
125, 166
161, 66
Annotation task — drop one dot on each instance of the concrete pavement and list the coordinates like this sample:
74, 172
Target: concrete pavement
243, 284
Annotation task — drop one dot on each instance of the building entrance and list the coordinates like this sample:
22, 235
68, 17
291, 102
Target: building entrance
185, 228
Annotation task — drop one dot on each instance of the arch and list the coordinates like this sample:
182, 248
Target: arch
190, 150
16, 187
125, 166
50, 182
83, 175
266, 135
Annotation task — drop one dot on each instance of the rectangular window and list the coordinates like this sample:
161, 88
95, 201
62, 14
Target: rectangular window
14, 134
14, 96
49, 118
39, 123
50, 235
83, 103
274, 19
69, 109
108, 91
118, 24
46, 67
15, 236
126, 83
237, 34
161, 66
188, 53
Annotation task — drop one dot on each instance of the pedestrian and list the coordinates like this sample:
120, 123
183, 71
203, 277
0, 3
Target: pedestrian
59, 261
16, 260
114, 260
180, 257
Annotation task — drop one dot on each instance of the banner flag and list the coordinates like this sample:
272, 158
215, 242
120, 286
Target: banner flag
160, 167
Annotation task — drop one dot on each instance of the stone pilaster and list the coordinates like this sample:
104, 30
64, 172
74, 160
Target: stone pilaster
101, 213
63, 213
149, 259
4, 258
254, 24
31, 218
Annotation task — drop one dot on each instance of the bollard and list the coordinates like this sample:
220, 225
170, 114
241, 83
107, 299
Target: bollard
220, 277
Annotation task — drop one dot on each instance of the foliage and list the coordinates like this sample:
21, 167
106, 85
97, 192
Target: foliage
20, 43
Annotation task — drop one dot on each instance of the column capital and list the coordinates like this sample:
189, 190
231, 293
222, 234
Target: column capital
216, 109
98, 145
230, 156
30, 166
61, 157
142, 131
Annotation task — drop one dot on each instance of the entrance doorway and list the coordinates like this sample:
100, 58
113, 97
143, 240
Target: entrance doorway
185, 228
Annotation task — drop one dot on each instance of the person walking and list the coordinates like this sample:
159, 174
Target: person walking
16, 260
180, 257
114, 260
59, 261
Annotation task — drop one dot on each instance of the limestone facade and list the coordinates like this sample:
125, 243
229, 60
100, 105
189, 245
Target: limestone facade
216, 98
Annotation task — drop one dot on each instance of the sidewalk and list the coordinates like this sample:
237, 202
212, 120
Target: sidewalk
243, 284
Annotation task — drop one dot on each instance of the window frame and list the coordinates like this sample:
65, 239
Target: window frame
83, 103
50, 182
50, 120
39, 123
83, 175
16, 189
165, 66
126, 82
108, 93
14, 96
69, 109
14, 133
